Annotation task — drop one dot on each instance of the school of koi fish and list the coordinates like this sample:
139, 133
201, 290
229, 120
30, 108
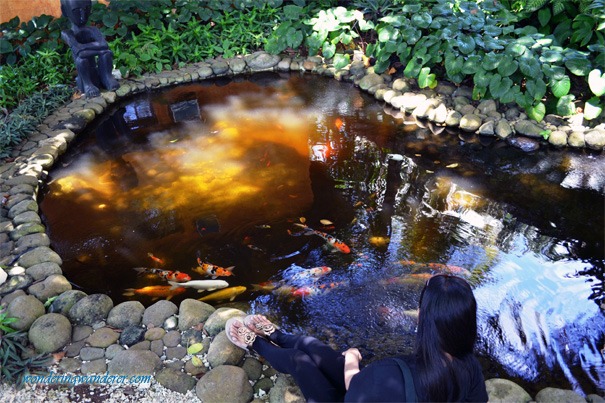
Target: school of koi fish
295, 282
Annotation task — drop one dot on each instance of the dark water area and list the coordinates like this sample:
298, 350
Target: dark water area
228, 171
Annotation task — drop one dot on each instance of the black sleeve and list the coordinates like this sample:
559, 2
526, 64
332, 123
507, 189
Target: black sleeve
477, 391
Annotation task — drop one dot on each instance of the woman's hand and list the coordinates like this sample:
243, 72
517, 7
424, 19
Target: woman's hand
352, 359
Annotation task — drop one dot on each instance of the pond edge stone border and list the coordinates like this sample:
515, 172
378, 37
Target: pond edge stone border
97, 337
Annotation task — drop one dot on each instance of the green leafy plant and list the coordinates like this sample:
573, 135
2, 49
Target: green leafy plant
14, 364
5, 323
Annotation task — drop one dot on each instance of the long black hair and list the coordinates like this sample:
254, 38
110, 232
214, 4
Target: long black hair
447, 331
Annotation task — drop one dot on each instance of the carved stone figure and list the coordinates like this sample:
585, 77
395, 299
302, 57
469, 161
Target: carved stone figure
93, 59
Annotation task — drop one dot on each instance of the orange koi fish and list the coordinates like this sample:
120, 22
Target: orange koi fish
212, 270
265, 286
155, 291
167, 275
155, 258
309, 291
335, 244
338, 123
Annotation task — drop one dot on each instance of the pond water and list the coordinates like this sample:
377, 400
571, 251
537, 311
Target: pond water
230, 171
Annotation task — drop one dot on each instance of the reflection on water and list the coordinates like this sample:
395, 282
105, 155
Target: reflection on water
224, 172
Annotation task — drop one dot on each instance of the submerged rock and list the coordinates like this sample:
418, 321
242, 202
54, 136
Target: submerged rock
524, 143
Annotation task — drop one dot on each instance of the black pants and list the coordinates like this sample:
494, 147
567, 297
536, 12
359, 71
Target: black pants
316, 367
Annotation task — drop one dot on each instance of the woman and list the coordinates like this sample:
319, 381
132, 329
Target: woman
443, 367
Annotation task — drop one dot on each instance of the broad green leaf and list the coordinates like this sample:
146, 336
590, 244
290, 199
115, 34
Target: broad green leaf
507, 66
499, 86
483, 78
560, 87
471, 65
453, 64
411, 35
492, 30
412, 69
411, 8
426, 79
536, 111
422, 20
110, 19
5, 46
479, 92
565, 105
516, 49
596, 82
544, 16
592, 108
530, 67
341, 60
388, 33
580, 66
491, 61
292, 12
195, 348
466, 44
536, 88
511, 95
491, 43
328, 50
551, 56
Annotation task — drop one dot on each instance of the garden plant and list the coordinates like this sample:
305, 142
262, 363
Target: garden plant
546, 56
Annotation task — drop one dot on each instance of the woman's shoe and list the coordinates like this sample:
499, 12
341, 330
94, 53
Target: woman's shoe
259, 324
239, 334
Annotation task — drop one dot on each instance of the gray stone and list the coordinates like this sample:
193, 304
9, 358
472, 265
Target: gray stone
134, 362
39, 255
285, 390
171, 323
15, 283
32, 241
23, 188
73, 349
91, 353
132, 335
453, 119
223, 352
486, 106
70, 364
237, 65
191, 336
595, 139
64, 302
487, 128
91, 309
261, 61
27, 217
528, 128
50, 332
264, 384
175, 380
51, 286
400, 85
576, 139
81, 332
155, 333
8, 298
98, 366
190, 368
126, 314
142, 345
219, 67
524, 143
226, 383
284, 64
42, 270
112, 350
370, 80
192, 312
253, 368
216, 322
157, 313
558, 138
157, 346
548, 395
177, 352
26, 309
103, 337
22, 207
470, 122
26, 229
172, 338
592, 398
503, 129
503, 390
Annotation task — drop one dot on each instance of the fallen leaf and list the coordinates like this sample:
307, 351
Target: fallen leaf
302, 220
323, 221
454, 165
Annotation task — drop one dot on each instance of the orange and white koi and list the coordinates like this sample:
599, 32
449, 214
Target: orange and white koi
167, 275
436, 268
155, 258
336, 244
155, 291
214, 271
309, 291
314, 273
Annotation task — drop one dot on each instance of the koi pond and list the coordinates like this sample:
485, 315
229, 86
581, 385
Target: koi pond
256, 180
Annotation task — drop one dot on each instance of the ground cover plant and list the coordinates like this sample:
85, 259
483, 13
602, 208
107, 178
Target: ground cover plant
547, 56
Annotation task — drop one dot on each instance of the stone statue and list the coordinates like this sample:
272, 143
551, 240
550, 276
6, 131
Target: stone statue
93, 59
